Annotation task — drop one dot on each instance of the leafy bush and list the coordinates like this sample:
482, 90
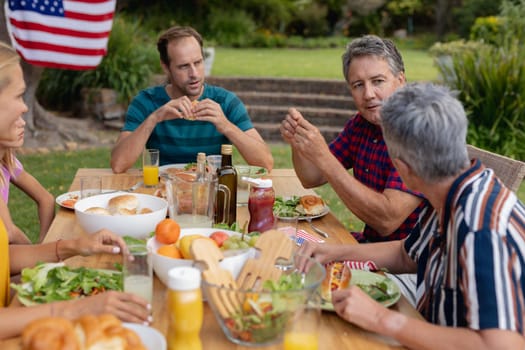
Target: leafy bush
493, 95
127, 68
231, 28
491, 82
465, 15
487, 29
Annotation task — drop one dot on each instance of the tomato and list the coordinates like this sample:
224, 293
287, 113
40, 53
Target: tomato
219, 237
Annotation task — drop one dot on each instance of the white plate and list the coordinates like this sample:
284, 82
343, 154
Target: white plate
74, 196
367, 277
151, 338
325, 211
172, 166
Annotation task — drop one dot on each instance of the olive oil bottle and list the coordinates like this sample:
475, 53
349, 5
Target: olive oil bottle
227, 176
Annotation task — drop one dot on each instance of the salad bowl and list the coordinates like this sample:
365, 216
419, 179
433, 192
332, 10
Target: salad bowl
260, 316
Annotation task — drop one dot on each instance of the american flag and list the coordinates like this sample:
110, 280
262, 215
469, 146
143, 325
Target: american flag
66, 34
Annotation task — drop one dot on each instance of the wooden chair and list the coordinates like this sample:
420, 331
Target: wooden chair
510, 171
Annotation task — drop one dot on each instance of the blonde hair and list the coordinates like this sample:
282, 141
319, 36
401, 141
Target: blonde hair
8, 58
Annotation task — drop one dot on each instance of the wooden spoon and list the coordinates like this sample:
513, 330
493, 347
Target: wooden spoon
225, 299
273, 245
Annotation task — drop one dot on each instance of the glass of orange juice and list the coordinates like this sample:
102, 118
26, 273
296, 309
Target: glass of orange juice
302, 328
150, 167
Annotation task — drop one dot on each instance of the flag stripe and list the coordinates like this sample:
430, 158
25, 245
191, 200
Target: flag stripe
84, 17
61, 22
67, 59
90, 8
60, 48
23, 27
59, 40
67, 34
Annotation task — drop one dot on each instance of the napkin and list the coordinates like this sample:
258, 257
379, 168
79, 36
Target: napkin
368, 265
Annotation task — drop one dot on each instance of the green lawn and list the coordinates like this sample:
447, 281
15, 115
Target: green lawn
302, 63
56, 171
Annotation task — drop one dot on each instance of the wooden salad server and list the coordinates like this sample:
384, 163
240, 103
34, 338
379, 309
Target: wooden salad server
205, 251
273, 245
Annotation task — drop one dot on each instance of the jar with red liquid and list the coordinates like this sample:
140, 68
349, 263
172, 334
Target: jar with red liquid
260, 204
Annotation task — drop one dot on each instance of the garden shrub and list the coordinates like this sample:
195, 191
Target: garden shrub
487, 29
231, 28
491, 82
493, 95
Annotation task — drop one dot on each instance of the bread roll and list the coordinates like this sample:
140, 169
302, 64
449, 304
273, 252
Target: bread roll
97, 210
86, 333
50, 333
145, 211
311, 205
128, 202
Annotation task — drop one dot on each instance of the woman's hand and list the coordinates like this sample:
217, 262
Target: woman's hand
103, 241
126, 306
355, 306
321, 252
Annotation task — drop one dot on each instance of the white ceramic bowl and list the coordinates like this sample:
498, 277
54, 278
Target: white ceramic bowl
151, 338
138, 226
162, 264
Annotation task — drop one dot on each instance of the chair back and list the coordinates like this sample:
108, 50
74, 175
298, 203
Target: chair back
510, 171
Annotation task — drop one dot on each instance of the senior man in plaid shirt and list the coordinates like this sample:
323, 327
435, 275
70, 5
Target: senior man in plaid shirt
373, 69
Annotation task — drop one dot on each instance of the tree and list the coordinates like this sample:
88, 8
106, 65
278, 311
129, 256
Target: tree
38, 120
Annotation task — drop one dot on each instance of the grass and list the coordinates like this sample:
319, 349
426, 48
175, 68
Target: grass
56, 172
302, 63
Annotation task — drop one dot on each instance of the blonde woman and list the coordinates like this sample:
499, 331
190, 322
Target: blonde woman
13, 258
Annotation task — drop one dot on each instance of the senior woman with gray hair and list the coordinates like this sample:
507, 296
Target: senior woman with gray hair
469, 249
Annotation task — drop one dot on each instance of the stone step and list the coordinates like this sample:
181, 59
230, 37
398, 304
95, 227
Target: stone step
317, 116
285, 85
279, 98
270, 131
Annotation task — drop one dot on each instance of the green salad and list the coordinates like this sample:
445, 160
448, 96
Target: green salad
286, 207
48, 282
263, 315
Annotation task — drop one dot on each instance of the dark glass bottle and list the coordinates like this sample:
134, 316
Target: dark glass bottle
227, 176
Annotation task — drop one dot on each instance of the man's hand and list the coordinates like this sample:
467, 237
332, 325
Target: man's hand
179, 108
210, 111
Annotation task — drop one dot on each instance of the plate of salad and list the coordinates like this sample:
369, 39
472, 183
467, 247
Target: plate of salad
380, 288
49, 282
288, 206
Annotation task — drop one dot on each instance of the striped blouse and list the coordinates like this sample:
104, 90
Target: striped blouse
471, 257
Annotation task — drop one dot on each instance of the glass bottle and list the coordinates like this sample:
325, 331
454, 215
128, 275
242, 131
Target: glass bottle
185, 308
201, 167
260, 205
227, 176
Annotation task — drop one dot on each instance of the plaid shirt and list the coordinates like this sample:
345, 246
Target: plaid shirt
361, 146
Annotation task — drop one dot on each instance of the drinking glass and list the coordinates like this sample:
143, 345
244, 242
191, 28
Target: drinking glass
214, 162
138, 272
90, 186
243, 187
150, 167
302, 328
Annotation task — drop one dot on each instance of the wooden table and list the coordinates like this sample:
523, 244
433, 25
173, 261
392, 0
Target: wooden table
335, 333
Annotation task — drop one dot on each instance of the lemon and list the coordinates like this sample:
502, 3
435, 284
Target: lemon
185, 244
